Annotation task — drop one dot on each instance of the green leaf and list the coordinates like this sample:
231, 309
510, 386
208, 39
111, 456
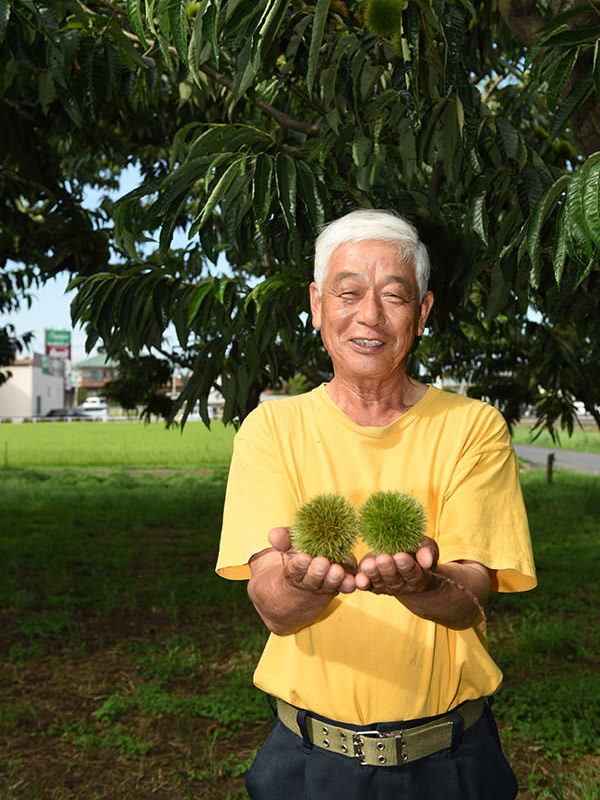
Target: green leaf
152, 13
432, 127
176, 10
562, 70
47, 90
361, 149
583, 273
285, 171
211, 22
309, 193
318, 28
479, 211
198, 298
134, 13
216, 195
576, 97
541, 212
260, 42
229, 138
172, 187
530, 188
197, 43
574, 217
72, 108
508, 139
571, 37
261, 186
245, 70
590, 191
559, 253
268, 25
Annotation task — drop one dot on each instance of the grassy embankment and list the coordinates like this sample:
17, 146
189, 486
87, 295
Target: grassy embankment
126, 664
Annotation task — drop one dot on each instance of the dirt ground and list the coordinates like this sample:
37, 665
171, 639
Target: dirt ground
46, 754
44, 751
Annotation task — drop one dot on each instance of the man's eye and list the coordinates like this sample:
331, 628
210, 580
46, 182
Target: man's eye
396, 298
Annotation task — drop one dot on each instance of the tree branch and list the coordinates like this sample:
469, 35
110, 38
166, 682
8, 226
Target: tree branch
279, 116
283, 119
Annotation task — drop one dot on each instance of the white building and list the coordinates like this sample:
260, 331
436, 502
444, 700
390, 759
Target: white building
36, 386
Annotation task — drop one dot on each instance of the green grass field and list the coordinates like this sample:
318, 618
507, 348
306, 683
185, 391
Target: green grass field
586, 440
126, 664
110, 444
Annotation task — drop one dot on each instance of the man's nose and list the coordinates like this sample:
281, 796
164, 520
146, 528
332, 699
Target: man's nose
370, 311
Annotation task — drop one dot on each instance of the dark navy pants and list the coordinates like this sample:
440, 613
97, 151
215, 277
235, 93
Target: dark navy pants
475, 768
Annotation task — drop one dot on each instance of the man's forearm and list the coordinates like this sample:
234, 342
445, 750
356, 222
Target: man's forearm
454, 597
284, 607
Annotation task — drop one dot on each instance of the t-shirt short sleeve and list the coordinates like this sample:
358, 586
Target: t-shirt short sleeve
258, 497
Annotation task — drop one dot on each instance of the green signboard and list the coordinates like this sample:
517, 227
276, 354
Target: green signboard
58, 344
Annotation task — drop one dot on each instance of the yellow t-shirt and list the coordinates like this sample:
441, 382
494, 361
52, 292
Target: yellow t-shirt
367, 658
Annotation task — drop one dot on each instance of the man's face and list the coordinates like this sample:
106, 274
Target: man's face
369, 311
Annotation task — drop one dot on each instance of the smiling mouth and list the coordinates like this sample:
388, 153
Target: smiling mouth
368, 342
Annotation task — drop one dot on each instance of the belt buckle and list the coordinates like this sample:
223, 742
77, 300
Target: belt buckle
358, 743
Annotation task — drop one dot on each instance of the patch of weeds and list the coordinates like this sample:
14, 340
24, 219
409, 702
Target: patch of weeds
213, 768
559, 713
115, 737
232, 703
47, 625
180, 657
586, 787
249, 639
152, 699
13, 714
112, 708
235, 768
582, 786
20, 654
535, 636
20, 597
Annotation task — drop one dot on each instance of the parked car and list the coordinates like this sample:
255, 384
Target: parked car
95, 407
94, 402
69, 413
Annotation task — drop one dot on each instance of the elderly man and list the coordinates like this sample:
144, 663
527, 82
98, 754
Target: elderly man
379, 671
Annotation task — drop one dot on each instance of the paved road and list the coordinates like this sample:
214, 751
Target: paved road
563, 459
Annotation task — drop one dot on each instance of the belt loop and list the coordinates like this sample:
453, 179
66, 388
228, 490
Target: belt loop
457, 731
301, 720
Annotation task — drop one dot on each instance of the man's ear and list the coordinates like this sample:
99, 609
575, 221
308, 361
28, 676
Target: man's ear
315, 305
424, 309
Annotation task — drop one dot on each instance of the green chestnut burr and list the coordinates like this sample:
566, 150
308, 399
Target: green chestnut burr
326, 525
392, 522
384, 17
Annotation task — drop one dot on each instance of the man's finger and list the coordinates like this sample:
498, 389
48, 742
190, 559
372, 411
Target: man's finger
279, 538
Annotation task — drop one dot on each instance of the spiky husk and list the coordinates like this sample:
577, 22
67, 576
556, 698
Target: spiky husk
326, 525
392, 522
384, 17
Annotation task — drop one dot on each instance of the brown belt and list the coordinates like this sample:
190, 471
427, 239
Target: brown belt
377, 748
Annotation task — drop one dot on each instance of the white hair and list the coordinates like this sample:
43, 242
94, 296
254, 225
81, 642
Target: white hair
369, 223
